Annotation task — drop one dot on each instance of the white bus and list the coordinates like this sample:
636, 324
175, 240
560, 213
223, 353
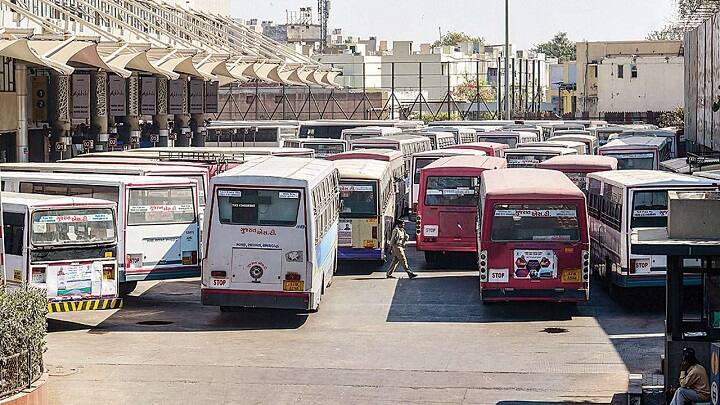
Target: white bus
579, 147
367, 209
530, 157
422, 159
620, 201
178, 151
590, 141
65, 245
671, 136
323, 147
510, 138
638, 152
438, 139
333, 128
158, 224
272, 234
249, 133
461, 134
353, 134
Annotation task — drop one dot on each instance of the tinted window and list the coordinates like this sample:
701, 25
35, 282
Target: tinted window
161, 206
14, 227
258, 207
358, 199
451, 191
535, 222
649, 209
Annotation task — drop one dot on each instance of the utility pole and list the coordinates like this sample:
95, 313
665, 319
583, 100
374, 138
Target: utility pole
508, 113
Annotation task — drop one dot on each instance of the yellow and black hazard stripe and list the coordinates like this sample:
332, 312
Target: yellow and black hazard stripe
90, 305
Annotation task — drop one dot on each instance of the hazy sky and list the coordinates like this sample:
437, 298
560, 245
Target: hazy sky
531, 21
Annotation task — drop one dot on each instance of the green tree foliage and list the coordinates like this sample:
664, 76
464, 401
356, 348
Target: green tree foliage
558, 47
468, 90
454, 38
667, 33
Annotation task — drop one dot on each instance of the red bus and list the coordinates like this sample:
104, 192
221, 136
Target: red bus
533, 238
577, 167
490, 148
447, 204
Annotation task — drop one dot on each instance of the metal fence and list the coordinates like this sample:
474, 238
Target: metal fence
19, 371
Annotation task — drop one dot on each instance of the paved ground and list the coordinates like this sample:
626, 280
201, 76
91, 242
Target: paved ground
427, 340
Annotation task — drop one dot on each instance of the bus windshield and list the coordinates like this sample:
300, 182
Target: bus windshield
73, 227
451, 191
155, 206
325, 149
639, 161
535, 222
420, 163
258, 207
507, 140
358, 199
650, 209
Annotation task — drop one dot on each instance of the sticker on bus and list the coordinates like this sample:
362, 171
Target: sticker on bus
537, 213
230, 193
451, 191
359, 188
650, 213
535, 264
55, 219
430, 230
345, 233
182, 208
288, 195
633, 156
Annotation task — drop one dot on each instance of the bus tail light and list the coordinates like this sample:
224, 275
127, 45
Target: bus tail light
418, 224
37, 274
633, 264
218, 274
189, 257
292, 276
483, 265
586, 265
374, 232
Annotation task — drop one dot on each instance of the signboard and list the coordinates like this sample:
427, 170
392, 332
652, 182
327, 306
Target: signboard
155, 138
197, 99
39, 98
81, 96
345, 233
112, 141
175, 97
211, 97
117, 97
148, 95
60, 146
88, 144
535, 264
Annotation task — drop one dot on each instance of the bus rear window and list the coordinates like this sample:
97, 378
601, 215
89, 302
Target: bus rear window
358, 199
649, 209
635, 161
451, 191
258, 207
150, 206
507, 140
535, 223
77, 226
525, 160
325, 149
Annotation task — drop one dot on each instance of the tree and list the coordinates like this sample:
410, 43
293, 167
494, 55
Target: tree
667, 33
467, 91
558, 47
454, 38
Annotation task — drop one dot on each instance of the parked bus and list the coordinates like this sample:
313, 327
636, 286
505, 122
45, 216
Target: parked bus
158, 224
272, 234
535, 130
322, 147
65, 245
530, 157
438, 139
672, 137
472, 123
533, 237
461, 134
447, 208
249, 133
333, 128
397, 166
590, 141
579, 147
577, 167
510, 138
604, 133
422, 159
367, 209
642, 152
214, 163
621, 201
177, 152
354, 134
565, 126
490, 148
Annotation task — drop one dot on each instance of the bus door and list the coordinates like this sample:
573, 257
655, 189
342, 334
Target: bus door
14, 243
162, 233
360, 230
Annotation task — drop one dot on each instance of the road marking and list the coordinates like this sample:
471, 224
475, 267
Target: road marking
637, 336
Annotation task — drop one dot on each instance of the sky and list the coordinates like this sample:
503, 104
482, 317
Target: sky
531, 21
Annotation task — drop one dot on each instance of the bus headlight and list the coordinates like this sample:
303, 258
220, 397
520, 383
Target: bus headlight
586, 265
483, 264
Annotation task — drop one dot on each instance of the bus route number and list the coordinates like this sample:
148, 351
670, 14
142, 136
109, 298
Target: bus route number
219, 282
498, 275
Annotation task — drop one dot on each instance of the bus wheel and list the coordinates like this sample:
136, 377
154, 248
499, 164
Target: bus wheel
127, 287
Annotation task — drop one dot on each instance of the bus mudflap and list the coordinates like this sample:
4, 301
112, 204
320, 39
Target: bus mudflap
86, 305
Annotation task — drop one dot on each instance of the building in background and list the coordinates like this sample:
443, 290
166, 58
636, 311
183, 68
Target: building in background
221, 7
629, 78
562, 94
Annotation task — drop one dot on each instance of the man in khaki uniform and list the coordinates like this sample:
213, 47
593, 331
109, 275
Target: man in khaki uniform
397, 244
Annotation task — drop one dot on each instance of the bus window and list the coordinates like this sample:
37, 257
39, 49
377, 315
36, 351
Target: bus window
535, 222
358, 199
451, 191
325, 149
650, 209
419, 165
507, 140
258, 207
89, 191
72, 227
635, 161
160, 206
14, 228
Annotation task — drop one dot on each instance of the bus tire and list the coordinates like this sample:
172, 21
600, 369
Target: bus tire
127, 287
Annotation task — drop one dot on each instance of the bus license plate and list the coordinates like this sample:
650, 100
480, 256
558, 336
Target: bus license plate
571, 276
219, 283
293, 285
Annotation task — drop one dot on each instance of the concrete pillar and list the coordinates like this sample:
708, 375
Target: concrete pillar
61, 117
161, 119
21, 135
199, 130
182, 121
99, 114
132, 121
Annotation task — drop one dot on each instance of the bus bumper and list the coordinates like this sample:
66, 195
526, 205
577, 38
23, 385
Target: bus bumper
88, 305
649, 280
257, 299
346, 253
506, 294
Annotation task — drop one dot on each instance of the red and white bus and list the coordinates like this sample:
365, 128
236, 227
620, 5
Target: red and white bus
490, 148
577, 167
533, 238
447, 205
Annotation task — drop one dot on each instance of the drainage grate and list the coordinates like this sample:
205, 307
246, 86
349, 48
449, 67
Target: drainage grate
555, 330
154, 323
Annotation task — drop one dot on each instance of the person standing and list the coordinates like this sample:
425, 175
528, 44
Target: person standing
397, 245
694, 381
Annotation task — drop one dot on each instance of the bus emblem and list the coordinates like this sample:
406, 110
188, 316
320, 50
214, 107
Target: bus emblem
256, 272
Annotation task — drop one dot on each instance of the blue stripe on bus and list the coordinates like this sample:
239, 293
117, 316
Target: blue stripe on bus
349, 253
325, 250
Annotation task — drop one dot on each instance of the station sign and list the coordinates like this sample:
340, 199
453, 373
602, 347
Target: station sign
148, 95
211, 97
39, 89
80, 96
155, 138
117, 96
176, 96
197, 96
88, 144
60, 146
112, 142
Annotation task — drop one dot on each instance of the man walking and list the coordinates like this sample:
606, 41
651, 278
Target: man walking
397, 244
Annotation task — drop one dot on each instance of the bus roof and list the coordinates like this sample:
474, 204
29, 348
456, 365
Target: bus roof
99, 168
500, 133
359, 123
650, 178
552, 144
445, 152
709, 174
468, 162
585, 162
634, 142
451, 128
373, 130
280, 171
431, 132
375, 154
574, 133
362, 169
315, 140
43, 200
248, 150
489, 145
98, 179
542, 149
530, 183
392, 139
483, 123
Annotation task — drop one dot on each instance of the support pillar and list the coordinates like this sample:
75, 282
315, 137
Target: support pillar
198, 128
133, 118
161, 118
61, 121
99, 114
182, 121
21, 135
